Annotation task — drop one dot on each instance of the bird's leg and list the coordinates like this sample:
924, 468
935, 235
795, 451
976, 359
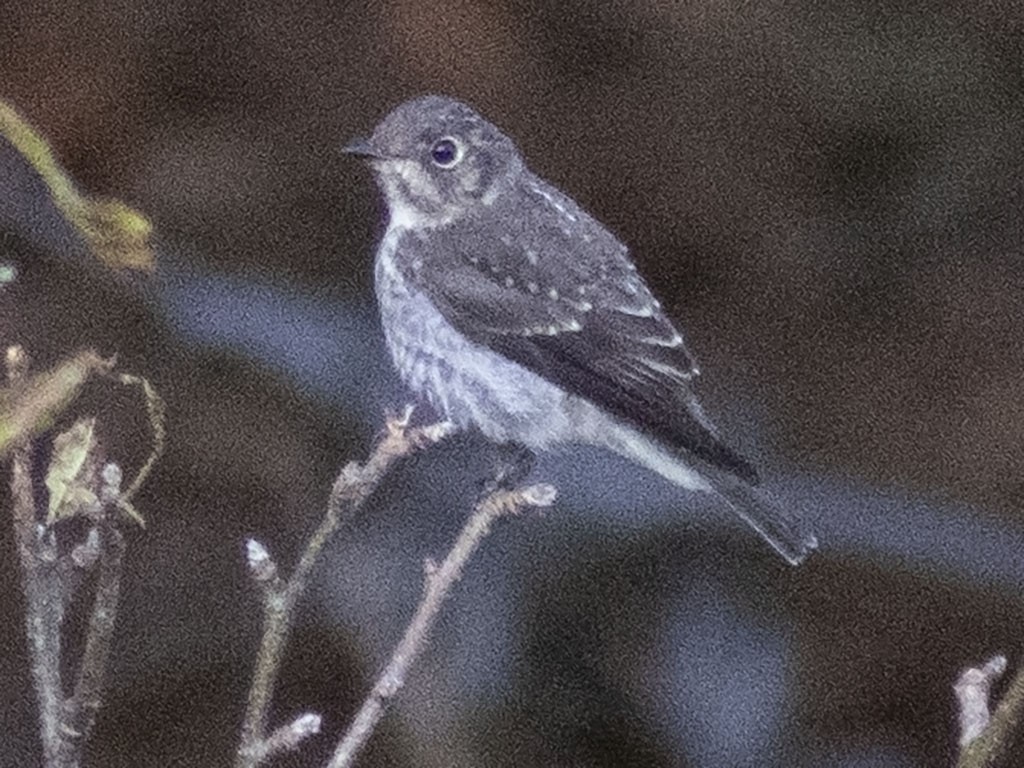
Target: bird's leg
512, 463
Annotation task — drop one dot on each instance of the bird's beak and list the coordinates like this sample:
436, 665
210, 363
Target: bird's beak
363, 149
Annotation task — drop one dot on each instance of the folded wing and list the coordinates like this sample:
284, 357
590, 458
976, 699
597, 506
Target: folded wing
559, 295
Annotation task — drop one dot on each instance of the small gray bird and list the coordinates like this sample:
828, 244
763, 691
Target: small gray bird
515, 312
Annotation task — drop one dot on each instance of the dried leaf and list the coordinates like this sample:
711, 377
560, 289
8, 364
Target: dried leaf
72, 478
31, 406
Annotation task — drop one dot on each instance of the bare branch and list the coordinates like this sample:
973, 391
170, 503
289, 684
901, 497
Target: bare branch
991, 749
440, 578
351, 489
288, 737
972, 690
50, 578
43, 598
83, 704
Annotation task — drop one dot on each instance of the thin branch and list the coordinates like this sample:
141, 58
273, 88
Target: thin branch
351, 489
81, 708
991, 748
157, 411
276, 623
439, 581
43, 598
355, 483
43, 608
972, 691
288, 737
49, 578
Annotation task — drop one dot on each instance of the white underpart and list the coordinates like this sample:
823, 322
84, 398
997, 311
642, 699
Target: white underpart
474, 386
404, 214
622, 439
468, 383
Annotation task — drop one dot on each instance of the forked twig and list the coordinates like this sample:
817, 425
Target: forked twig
353, 486
439, 581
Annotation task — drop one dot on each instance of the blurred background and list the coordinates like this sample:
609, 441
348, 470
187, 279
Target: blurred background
825, 195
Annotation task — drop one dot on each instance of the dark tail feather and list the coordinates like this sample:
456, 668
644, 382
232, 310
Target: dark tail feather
778, 527
774, 522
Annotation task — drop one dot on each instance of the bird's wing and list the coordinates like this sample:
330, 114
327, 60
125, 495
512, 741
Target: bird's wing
559, 295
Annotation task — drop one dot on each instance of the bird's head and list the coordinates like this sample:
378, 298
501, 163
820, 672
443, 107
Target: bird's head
437, 160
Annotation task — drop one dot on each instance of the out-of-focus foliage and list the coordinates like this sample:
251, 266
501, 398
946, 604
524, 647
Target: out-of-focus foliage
30, 406
117, 235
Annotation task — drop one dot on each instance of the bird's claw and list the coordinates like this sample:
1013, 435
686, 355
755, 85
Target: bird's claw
396, 423
397, 428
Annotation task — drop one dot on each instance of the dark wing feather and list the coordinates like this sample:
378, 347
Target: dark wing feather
558, 294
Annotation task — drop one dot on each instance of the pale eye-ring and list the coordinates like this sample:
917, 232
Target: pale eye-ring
446, 152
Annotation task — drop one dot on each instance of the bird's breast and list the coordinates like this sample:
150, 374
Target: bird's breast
466, 382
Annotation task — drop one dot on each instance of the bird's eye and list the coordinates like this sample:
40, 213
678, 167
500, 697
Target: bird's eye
445, 153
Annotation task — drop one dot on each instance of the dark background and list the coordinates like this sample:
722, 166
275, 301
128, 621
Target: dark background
826, 195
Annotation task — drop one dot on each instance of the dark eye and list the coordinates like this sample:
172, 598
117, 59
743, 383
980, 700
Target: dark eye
445, 153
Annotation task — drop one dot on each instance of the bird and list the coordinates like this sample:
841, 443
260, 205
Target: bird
514, 312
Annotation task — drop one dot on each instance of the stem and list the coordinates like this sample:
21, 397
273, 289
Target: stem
81, 708
439, 582
351, 489
992, 747
42, 608
49, 579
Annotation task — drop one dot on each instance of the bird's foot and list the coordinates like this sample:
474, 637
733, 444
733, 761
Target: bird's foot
513, 463
400, 427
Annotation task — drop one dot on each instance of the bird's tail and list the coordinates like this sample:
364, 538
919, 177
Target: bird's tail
774, 522
768, 517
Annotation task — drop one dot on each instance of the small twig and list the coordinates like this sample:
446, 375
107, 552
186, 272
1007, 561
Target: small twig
261, 566
49, 578
157, 411
439, 581
85, 555
81, 707
43, 607
288, 737
276, 623
351, 489
43, 598
972, 691
985, 741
